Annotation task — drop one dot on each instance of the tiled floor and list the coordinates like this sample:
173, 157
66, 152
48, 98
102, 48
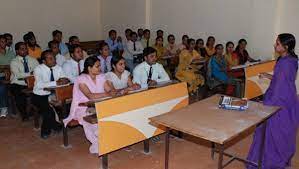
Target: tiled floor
22, 148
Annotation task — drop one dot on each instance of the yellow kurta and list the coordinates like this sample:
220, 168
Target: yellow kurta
232, 61
210, 52
160, 54
186, 72
36, 53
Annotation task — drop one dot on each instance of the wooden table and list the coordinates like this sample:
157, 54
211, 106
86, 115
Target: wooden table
206, 121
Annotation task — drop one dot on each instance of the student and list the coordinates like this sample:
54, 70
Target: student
9, 43
90, 85
230, 57
282, 127
57, 36
242, 53
217, 72
33, 48
210, 46
200, 48
135, 50
161, 51
140, 34
183, 45
6, 56
160, 33
146, 40
22, 66
105, 58
186, 71
173, 51
74, 40
74, 66
149, 72
119, 78
47, 74
115, 43
54, 47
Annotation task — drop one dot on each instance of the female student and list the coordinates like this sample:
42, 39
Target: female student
210, 46
173, 51
217, 71
186, 71
200, 48
105, 57
161, 51
119, 78
242, 53
282, 127
230, 57
183, 45
33, 48
90, 85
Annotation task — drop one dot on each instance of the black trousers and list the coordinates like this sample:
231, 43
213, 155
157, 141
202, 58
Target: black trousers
20, 98
48, 115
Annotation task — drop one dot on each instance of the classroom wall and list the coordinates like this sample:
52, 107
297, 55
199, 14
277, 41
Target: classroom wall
73, 17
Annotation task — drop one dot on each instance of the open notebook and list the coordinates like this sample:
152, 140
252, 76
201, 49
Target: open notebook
230, 103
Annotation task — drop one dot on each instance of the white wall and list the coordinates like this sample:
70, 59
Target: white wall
73, 17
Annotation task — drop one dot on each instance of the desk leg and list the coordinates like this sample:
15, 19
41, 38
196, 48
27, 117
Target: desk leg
146, 146
262, 145
220, 160
213, 150
105, 161
167, 148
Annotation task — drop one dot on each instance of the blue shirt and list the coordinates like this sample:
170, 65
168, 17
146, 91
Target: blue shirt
219, 69
63, 48
114, 45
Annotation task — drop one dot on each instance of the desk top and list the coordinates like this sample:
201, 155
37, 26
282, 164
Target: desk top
205, 120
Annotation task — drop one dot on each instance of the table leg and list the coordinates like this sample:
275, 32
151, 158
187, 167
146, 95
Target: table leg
262, 145
213, 150
167, 148
220, 160
146, 146
105, 161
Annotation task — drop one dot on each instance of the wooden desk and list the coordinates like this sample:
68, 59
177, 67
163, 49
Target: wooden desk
205, 120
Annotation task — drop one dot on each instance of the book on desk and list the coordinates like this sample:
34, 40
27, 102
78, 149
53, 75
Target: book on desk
230, 103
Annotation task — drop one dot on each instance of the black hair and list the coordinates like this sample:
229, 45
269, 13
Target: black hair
149, 50
185, 36
218, 45
89, 62
73, 48
54, 33
146, 31
128, 30
199, 40
19, 44
209, 38
190, 40
133, 33
52, 42
102, 45
170, 36
73, 38
44, 54
240, 41
160, 31
111, 31
7, 35
289, 40
2, 37
115, 60
140, 29
159, 37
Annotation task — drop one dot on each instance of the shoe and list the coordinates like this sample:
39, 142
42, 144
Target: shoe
3, 112
45, 136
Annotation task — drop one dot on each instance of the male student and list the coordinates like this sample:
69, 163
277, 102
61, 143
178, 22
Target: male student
47, 74
146, 40
135, 50
9, 42
140, 33
54, 47
6, 55
57, 36
22, 66
74, 66
114, 42
74, 40
149, 72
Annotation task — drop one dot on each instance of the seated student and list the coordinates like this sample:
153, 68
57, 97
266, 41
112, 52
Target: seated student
186, 71
22, 66
90, 85
161, 51
6, 56
210, 46
9, 42
200, 48
217, 72
54, 47
242, 53
125, 43
47, 74
74, 40
74, 66
3, 100
57, 36
230, 57
183, 45
135, 50
173, 51
149, 72
140, 34
105, 58
146, 41
34, 49
115, 43
119, 78
160, 33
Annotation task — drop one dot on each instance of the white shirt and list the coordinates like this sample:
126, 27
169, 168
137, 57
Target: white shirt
42, 75
11, 48
105, 64
17, 69
60, 59
141, 73
131, 52
118, 83
70, 68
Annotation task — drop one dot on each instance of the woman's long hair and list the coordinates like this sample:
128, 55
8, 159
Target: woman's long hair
289, 40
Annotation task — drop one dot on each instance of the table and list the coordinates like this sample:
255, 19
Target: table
206, 121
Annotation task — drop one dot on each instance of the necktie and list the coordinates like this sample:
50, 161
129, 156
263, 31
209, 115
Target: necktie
147, 43
26, 68
134, 46
112, 43
52, 75
149, 78
79, 69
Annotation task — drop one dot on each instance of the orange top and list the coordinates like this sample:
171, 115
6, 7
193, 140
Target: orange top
35, 53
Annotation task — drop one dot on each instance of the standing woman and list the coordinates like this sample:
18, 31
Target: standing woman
282, 127
210, 46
